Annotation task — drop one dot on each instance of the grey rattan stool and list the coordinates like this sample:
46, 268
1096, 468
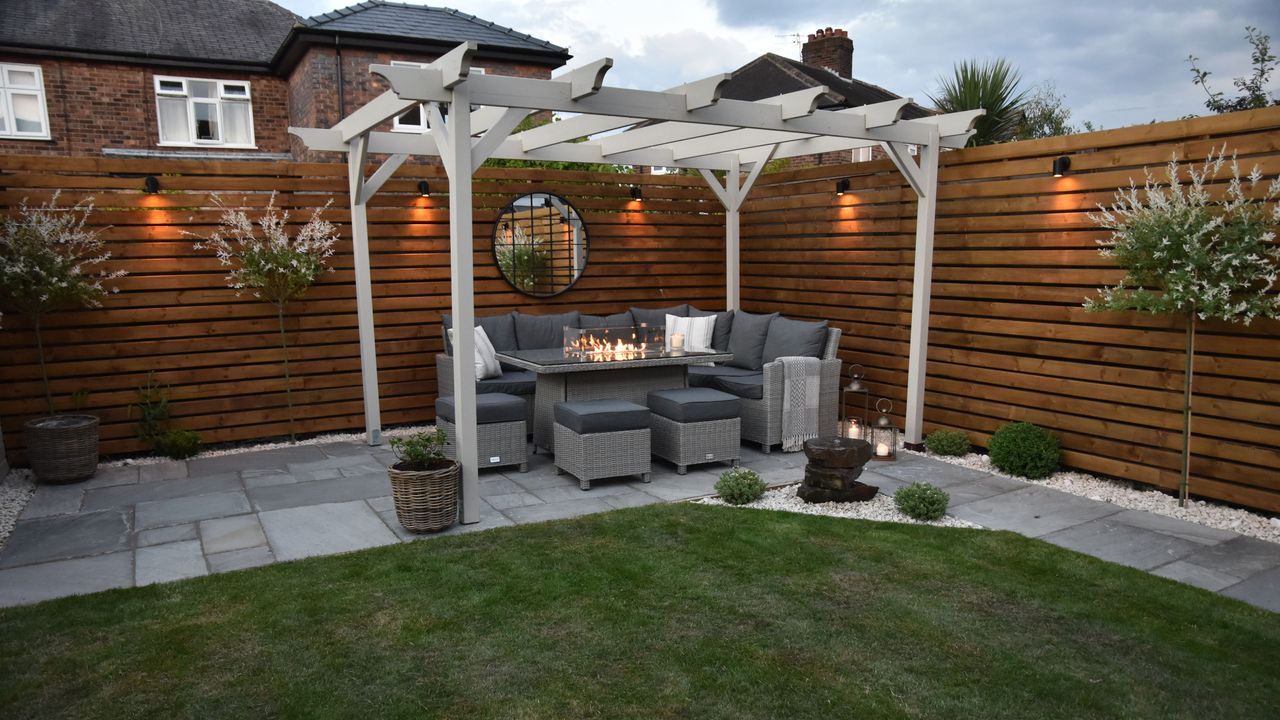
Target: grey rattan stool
601, 439
695, 425
500, 429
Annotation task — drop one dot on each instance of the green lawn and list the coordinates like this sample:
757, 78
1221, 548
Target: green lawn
679, 611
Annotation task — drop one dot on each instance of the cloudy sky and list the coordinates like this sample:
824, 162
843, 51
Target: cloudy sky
1117, 62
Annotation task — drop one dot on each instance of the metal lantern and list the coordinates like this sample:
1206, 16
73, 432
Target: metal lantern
883, 435
850, 426
852, 429
856, 373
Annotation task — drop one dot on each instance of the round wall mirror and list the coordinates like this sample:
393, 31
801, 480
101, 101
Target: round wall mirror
540, 244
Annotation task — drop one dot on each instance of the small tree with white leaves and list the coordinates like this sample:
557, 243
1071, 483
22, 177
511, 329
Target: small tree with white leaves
1189, 254
271, 264
51, 260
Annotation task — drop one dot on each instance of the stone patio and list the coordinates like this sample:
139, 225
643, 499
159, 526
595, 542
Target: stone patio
156, 523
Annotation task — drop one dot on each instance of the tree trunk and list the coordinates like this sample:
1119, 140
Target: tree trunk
1183, 489
288, 390
44, 372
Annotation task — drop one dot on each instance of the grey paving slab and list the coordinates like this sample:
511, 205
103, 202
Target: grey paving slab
489, 519
497, 486
632, 498
266, 478
277, 459
319, 492
1032, 511
240, 559
1117, 542
1201, 577
887, 485
538, 480
385, 459
381, 503
1261, 589
225, 534
33, 583
108, 476
168, 470
341, 449
53, 500
332, 473
1194, 532
188, 509
1241, 557
687, 486
169, 562
516, 499
300, 532
982, 488
61, 537
168, 534
558, 510
563, 494
124, 495
365, 468
923, 470
327, 463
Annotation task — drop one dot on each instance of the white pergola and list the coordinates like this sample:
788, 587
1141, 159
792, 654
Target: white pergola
471, 118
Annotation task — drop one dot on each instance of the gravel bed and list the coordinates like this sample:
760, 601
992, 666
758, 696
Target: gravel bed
16, 489
1116, 492
881, 507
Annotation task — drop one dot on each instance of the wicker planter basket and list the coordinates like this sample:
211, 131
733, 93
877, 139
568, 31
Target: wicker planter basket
63, 448
426, 500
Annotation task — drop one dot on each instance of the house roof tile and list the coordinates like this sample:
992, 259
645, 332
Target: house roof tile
379, 17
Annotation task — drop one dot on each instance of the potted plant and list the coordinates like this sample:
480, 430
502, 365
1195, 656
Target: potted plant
424, 484
50, 260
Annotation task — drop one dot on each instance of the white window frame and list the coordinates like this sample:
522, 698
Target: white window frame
11, 131
396, 125
223, 97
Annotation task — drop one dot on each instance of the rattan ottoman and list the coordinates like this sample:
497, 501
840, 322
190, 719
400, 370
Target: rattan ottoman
500, 429
601, 439
695, 425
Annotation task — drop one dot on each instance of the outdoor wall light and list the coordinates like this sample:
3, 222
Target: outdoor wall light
636, 194
842, 186
1061, 165
151, 184
424, 189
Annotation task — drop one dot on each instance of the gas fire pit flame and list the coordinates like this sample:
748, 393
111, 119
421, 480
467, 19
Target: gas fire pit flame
591, 348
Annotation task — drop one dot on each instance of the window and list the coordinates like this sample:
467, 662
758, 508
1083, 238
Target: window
863, 154
415, 120
204, 112
22, 109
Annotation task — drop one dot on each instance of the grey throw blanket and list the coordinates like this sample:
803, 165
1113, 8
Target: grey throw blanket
800, 381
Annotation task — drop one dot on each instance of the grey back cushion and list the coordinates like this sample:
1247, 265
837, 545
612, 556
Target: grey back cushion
500, 329
622, 319
795, 338
747, 339
724, 326
534, 332
658, 317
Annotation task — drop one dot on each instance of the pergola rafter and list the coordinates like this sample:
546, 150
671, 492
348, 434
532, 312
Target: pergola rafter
689, 126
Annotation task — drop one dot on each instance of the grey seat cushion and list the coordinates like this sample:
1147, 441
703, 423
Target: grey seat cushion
500, 329
515, 382
688, 405
490, 408
595, 416
744, 386
747, 339
795, 338
657, 317
705, 375
724, 326
622, 319
536, 332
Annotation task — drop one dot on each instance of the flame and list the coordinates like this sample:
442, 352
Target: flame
591, 348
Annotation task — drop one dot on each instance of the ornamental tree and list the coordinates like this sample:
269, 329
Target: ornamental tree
1195, 252
272, 265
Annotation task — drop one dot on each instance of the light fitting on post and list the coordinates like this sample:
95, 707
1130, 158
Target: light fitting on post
151, 184
636, 194
424, 189
1061, 165
842, 186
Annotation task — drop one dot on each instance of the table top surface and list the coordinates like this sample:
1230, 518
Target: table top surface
554, 360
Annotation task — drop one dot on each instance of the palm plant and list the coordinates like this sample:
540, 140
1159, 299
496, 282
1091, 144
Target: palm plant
992, 86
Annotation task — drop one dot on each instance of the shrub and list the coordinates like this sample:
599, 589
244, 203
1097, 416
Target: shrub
1025, 450
947, 442
178, 444
421, 451
922, 501
740, 486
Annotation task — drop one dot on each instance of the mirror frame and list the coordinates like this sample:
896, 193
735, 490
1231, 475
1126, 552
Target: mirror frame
511, 207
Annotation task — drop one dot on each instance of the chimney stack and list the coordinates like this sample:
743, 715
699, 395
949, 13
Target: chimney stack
830, 49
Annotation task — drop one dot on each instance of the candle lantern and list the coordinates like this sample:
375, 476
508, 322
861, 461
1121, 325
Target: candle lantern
851, 429
850, 423
883, 435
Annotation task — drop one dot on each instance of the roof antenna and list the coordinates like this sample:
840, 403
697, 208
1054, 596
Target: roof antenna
796, 38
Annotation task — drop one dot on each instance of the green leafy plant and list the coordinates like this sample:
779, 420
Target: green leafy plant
739, 486
1253, 92
153, 409
990, 86
1025, 450
421, 451
178, 444
51, 260
522, 264
1195, 254
273, 265
947, 442
922, 501
1045, 113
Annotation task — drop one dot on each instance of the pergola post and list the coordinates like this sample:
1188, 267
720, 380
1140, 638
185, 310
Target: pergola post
357, 154
922, 279
731, 195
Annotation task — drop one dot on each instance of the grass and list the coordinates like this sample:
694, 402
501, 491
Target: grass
659, 612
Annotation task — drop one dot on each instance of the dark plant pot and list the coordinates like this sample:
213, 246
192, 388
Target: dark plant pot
426, 500
62, 448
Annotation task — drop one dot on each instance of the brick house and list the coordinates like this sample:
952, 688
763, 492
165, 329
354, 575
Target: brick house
219, 79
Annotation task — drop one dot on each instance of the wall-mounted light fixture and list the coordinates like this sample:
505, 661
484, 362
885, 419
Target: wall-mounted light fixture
842, 186
151, 184
424, 188
1061, 165
636, 194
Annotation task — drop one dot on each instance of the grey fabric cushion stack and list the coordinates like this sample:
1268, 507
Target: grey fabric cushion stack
585, 417
657, 317
705, 375
500, 329
490, 408
747, 339
536, 332
622, 319
724, 326
745, 386
795, 338
512, 380
690, 405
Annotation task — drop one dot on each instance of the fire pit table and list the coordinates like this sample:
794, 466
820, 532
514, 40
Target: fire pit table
568, 374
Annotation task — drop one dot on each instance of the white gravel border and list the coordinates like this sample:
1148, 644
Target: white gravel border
881, 507
1116, 492
16, 489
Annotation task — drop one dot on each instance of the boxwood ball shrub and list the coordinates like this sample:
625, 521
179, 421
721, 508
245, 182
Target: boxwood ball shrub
740, 486
1025, 450
947, 442
178, 444
922, 501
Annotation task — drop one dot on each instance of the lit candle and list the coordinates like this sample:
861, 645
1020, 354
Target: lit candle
677, 341
882, 450
854, 430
